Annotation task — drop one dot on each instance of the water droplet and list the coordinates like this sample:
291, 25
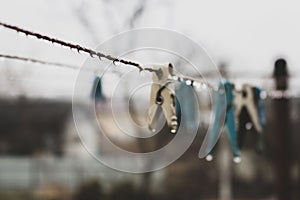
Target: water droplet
237, 160
188, 82
263, 95
209, 158
196, 85
248, 125
116, 62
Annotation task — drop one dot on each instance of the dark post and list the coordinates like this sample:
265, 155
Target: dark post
282, 132
225, 162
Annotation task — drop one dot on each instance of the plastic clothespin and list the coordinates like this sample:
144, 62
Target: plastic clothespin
162, 96
224, 108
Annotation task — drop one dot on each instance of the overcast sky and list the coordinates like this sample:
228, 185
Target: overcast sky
248, 35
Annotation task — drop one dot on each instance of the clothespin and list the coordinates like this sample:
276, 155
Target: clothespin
250, 98
245, 98
186, 106
97, 89
261, 95
224, 108
162, 96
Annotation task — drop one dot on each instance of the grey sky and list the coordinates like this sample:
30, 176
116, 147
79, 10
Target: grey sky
248, 35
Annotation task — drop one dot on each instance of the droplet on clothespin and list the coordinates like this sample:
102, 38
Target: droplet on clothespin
263, 95
174, 125
248, 126
237, 159
209, 158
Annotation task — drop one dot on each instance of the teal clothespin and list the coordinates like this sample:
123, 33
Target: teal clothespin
224, 107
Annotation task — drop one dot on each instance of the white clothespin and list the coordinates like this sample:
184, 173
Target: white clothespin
245, 98
162, 95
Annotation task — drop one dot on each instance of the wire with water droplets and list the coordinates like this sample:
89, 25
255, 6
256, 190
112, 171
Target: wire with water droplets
42, 62
48, 63
77, 47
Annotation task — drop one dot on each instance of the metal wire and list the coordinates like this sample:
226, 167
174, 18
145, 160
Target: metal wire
77, 47
47, 63
32, 60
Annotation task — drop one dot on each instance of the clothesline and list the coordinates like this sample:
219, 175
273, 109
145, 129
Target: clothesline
48, 63
77, 47
42, 62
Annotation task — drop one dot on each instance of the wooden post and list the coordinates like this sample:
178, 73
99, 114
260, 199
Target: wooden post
225, 163
225, 169
282, 132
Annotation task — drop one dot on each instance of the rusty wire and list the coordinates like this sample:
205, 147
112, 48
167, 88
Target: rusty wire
77, 47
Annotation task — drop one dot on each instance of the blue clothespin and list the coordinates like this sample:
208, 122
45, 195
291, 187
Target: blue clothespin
97, 89
224, 108
186, 106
